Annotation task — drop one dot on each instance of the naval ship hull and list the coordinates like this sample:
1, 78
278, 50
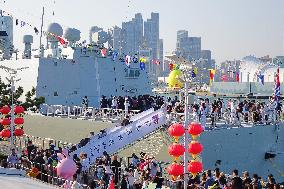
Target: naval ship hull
257, 149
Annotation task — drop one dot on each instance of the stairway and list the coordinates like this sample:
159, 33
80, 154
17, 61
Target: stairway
120, 137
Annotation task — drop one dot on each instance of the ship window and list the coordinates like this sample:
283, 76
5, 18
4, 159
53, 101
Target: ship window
114, 68
114, 79
55, 93
131, 73
137, 73
55, 63
115, 90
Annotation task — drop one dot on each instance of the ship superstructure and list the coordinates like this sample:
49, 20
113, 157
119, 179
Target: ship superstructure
65, 71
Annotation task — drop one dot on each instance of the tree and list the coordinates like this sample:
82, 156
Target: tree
32, 102
5, 94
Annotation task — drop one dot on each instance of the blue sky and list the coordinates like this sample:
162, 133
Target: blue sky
230, 28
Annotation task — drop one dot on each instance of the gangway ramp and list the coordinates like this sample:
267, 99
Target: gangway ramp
119, 137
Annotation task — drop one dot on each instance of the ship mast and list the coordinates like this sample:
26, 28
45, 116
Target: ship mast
40, 42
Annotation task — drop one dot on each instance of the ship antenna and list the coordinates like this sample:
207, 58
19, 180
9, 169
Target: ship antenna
40, 43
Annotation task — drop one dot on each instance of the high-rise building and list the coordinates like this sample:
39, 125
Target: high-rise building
132, 35
151, 33
188, 47
206, 54
117, 38
161, 67
194, 48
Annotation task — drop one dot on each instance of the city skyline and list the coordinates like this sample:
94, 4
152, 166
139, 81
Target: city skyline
231, 30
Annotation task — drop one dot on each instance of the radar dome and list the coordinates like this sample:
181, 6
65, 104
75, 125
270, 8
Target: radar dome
72, 34
55, 28
28, 39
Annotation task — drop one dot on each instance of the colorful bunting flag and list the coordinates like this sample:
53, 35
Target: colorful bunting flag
211, 74
142, 59
237, 77
142, 66
261, 78
61, 40
134, 59
277, 86
157, 62
114, 55
224, 78
104, 52
127, 60
193, 74
195, 70
171, 66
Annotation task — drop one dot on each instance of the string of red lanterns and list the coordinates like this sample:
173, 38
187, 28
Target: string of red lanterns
195, 148
6, 122
176, 150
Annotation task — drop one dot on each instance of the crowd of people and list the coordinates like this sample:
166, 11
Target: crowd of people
141, 172
219, 180
232, 111
142, 102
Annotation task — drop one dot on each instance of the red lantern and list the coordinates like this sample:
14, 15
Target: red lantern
195, 167
6, 121
6, 133
195, 148
176, 130
19, 109
195, 129
175, 170
19, 121
176, 150
5, 110
18, 132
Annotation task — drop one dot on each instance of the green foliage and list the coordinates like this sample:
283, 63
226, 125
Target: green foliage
31, 102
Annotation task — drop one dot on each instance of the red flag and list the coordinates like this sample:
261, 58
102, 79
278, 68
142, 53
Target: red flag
61, 40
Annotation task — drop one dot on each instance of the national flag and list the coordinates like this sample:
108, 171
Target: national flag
142, 66
277, 86
104, 52
61, 40
111, 184
261, 78
127, 60
237, 77
114, 55
157, 62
